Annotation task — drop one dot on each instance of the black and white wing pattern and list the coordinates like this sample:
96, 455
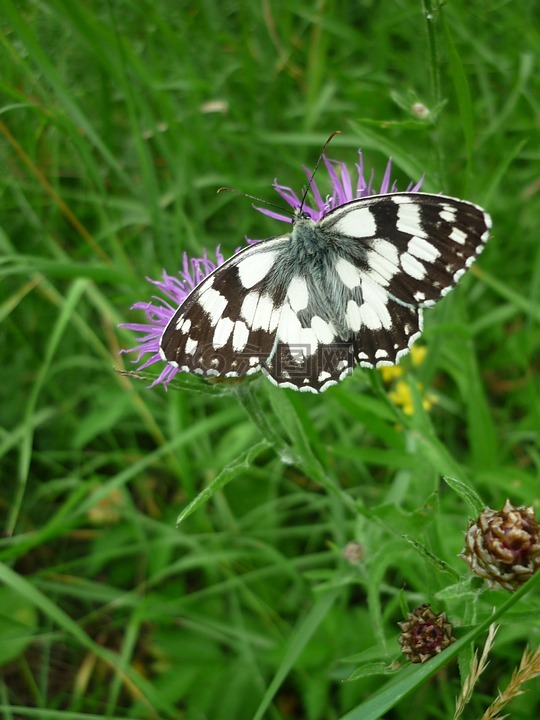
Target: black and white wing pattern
348, 290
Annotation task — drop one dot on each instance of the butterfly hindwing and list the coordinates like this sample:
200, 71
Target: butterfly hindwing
312, 351
380, 345
327, 365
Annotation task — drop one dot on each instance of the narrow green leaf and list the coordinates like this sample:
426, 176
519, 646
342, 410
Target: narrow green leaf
295, 646
241, 465
467, 493
462, 91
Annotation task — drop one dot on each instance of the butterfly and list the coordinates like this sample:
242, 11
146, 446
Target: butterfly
349, 289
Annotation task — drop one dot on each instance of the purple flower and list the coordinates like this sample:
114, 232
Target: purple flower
159, 311
342, 189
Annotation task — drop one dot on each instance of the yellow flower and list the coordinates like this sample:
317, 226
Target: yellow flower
401, 396
389, 373
418, 354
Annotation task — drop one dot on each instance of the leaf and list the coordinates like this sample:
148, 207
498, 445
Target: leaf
370, 669
242, 464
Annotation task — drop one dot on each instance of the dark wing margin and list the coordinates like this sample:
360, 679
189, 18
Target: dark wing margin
315, 372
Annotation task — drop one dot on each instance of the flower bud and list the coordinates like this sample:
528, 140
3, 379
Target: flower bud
424, 634
503, 547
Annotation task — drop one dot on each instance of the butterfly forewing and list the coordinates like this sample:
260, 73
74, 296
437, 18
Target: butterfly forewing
418, 245
307, 307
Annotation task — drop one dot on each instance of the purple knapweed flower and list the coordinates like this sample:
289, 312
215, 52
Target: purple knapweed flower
159, 311
342, 189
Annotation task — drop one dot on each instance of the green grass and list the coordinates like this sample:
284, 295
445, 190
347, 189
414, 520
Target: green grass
110, 166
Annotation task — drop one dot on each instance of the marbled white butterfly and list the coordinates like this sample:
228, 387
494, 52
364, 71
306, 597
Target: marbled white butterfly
349, 289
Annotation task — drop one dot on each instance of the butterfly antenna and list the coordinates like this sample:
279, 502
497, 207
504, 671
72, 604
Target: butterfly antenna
254, 197
310, 181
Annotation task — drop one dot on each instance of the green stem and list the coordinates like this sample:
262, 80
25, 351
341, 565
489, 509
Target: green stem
429, 15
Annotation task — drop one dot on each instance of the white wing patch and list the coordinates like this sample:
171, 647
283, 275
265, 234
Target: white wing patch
240, 336
422, 249
253, 268
259, 312
412, 266
408, 219
324, 331
298, 294
381, 267
458, 236
357, 223
373, 311
222, 333
348, 273
213, 303
354, 317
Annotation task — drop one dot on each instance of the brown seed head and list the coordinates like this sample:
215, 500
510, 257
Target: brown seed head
503, 547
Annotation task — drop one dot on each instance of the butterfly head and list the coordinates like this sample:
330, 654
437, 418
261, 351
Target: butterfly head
300, 214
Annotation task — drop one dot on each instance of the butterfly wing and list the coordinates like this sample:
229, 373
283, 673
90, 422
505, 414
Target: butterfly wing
313, 372
331, 321
310, 352
226, 326
414, 245
392, 255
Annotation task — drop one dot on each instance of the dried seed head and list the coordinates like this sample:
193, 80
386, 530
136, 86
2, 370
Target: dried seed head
353, 552
424, 634
420, 110
503, 547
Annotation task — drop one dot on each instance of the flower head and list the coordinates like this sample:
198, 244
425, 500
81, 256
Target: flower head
424, 634
159, 311
503, 547
343, 189
176, 289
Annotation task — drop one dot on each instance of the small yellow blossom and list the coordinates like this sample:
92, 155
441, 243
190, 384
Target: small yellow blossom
389, 373
401, 396
418, 354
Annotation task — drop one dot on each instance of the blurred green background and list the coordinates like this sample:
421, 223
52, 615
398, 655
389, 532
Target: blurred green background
118, 123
